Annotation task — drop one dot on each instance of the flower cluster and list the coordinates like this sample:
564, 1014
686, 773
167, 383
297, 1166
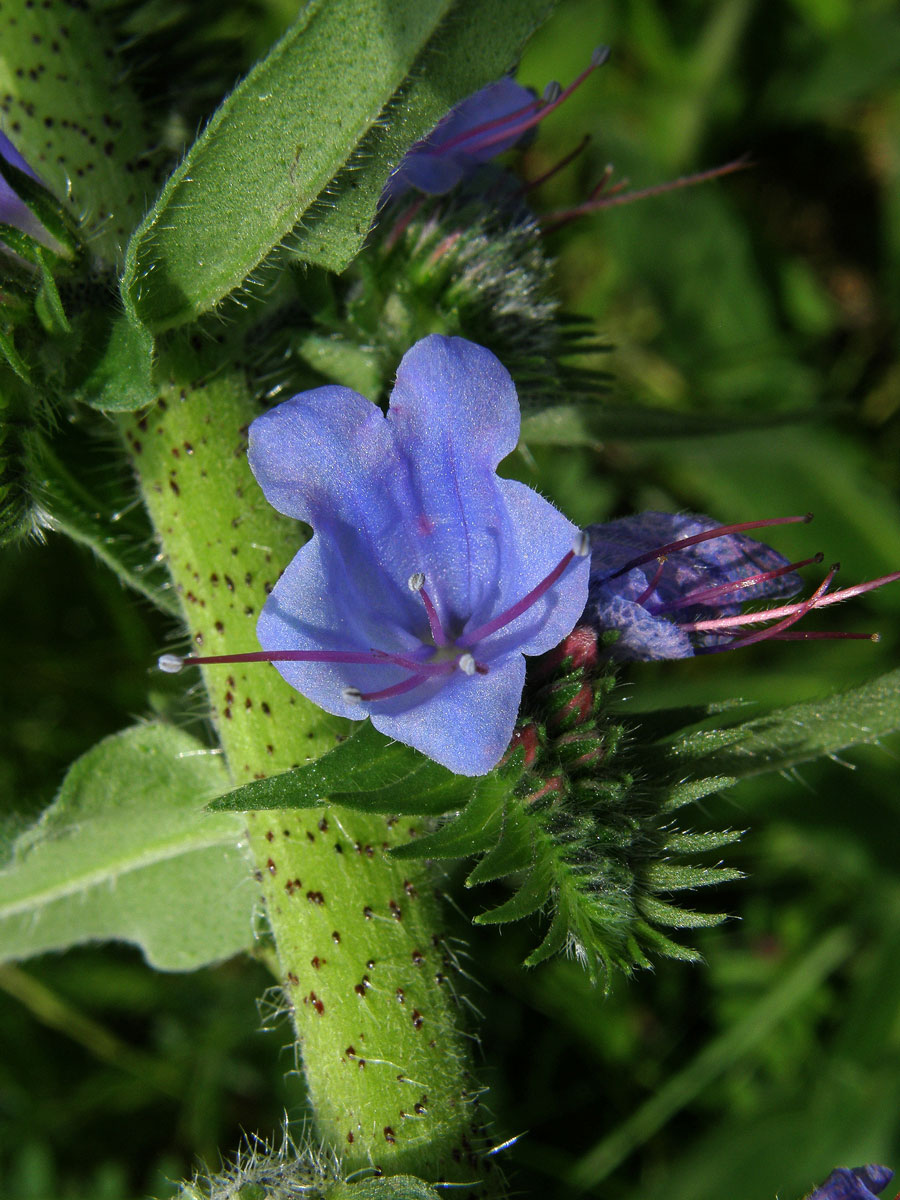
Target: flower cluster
428, 577
13, 211
854, 1183
491, 120
672, 586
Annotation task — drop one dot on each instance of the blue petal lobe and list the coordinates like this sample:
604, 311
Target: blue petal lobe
466, 724
431, 167
455, 415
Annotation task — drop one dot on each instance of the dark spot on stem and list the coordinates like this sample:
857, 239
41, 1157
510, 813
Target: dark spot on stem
270, 866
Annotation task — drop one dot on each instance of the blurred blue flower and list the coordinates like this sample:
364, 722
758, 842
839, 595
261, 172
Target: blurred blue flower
853, 1183
428, 577
12, 210
476, 130
673, 586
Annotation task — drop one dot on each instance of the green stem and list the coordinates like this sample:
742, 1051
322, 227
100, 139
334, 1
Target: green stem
363, 963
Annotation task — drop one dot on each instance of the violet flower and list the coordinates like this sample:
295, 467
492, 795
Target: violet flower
476, 130
12, 210
428, 577
673, 586
853, 1183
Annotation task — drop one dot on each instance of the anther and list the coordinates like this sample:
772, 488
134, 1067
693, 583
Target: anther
467, 664
600, 56
416, 581
552, 92
170, 663
581, 544
351, 695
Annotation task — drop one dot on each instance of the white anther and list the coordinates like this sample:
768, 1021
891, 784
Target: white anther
552, 92
170, 663
351, 695
581, 544
600, 56
467, 664
416, 581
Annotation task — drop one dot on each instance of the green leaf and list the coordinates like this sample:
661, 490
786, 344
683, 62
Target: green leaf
785, 737
126, 851
472, 831
114, 363
269, 151
70, 509
477, 44
368, 772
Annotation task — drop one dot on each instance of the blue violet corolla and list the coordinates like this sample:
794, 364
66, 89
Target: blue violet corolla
428, 576
854, 1183
673, 585
491, 120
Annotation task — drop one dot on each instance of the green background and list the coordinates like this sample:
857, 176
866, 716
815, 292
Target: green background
772, 292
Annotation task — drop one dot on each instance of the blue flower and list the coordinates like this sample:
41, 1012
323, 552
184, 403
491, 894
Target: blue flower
476, 130
673, 586
428, 577
12, 210
853, 1183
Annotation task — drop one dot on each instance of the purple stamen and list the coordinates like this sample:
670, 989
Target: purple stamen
580, 550
599, 199
796, 612
172, 663
559, 166
785, 610
653, 584
806, 635
708, 535
705, 595
516, 123
397, 689
417, 584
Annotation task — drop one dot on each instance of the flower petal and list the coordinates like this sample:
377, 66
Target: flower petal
455, 415
434, 167
465, 724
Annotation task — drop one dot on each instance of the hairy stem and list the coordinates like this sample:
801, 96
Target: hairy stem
364, 967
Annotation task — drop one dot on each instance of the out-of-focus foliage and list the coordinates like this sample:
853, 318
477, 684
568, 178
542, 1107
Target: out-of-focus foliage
773, 290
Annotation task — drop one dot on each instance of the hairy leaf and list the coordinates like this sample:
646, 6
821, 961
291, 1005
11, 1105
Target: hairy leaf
788, 736
126, 851
368, 772
268, 152
476, 44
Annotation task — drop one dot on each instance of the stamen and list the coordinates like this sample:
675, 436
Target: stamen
785, 610
467, 664
705, 595
351, 694
559, 166
806, 635
516, 123
801, 611
580, 549
167, 662
599, 200
653, 584
708, 535
434, 621
397, 689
